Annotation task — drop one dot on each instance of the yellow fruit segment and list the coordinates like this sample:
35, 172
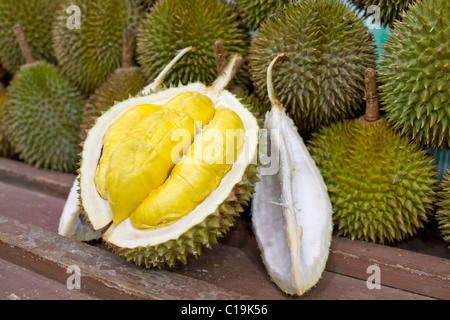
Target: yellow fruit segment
208, 160
143, 159
114, 136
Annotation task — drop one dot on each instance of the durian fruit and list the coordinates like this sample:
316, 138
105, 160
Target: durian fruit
173, 25
159, 208
6, 149
381, 184
124, 82
36, 18
89, 54
322, 79
389, 10
415, 74
291, 210
254, 12
443, 212
43, 114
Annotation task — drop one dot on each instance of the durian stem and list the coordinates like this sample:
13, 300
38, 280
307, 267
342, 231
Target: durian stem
219, 53
371, 96
228, 73
152, 87
270, 91
23, 44
127, 48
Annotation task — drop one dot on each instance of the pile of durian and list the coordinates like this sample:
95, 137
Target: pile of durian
281, 107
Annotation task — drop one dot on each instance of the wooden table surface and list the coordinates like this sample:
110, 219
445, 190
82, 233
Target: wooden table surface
34, 259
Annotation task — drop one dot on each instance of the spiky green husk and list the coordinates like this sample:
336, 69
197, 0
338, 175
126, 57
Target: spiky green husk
206, 233
42, 115
90, 54
36, 18
5, 146
173, 25
254, 12
390, 10
416, 74
443, 213
122, 84
381, 185
322, 78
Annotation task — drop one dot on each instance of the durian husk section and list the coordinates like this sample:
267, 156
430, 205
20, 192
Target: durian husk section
219, 208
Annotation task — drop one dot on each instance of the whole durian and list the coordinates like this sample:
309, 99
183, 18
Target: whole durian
124, 82
322, 79
389, 10
36, 17
254, 12
173, 25
415, 74
381, 184
443, 212
43, 114
89, 54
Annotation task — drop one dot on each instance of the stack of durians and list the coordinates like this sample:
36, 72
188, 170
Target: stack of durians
72, 61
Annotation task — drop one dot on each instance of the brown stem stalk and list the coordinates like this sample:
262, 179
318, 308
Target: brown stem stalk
219, 53
24, 44
128, 48
371, 96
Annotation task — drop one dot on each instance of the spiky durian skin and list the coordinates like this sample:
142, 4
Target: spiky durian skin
206, 233
327, 50
254, 12
122, 84
5, 146
415, 74
35, 17
42, 116
443, 212
174, 25
390, 10
88, 55
381, 185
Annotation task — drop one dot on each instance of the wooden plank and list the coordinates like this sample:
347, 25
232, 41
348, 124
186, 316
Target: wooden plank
423, 274
18, 283
103, 274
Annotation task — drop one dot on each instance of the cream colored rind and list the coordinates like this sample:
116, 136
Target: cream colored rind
291, 211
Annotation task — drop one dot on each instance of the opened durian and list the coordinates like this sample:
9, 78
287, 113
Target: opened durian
291, 211
381, 184
165, 173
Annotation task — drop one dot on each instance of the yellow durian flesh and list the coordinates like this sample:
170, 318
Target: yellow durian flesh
208, 160
142, 160
114, 136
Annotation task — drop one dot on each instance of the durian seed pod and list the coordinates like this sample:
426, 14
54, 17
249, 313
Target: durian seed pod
322, 80
291, 210
43, 114
389, 10
415, 74
382, 185
36, 17
124, 82
443, 212
89, 54
172, 25
136, 239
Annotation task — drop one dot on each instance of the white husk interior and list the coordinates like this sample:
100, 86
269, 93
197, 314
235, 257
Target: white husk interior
291, 211
98, 210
